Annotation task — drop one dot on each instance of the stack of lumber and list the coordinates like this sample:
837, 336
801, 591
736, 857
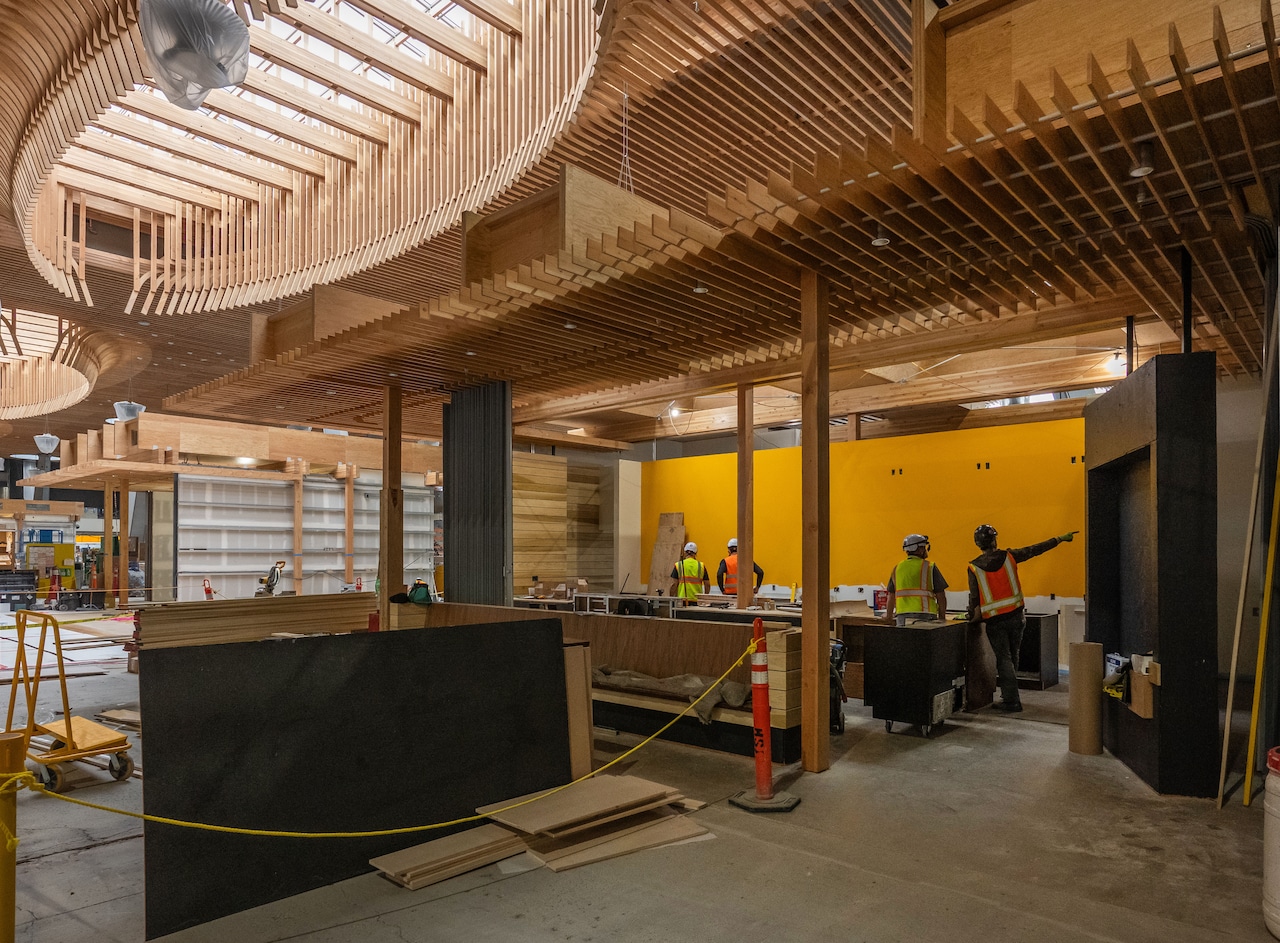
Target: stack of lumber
595, 820
426, 864
172, 625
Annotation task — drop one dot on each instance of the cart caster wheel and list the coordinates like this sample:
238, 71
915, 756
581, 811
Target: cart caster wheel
926, 729
888, 726
120, 766
52, 778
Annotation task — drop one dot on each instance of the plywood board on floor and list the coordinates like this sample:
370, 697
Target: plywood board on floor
676, 828
581, 802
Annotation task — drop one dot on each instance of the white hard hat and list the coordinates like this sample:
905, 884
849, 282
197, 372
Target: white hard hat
691, 547
913, 542
733, 543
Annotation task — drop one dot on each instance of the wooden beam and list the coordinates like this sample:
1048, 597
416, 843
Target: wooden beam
416, 22
108, 171
206, 154
528, 434
366, 48
307, 64
746, 497
276, 89
391, 507
146, 158
505, 16
96, 185
273, 122
815, 548
223, 132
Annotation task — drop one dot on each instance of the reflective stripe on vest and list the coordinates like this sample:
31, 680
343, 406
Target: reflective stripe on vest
691, 577
731, 575
998, 592
913, 586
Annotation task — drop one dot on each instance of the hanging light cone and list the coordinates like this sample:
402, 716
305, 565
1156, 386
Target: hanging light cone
127, 409
47, 442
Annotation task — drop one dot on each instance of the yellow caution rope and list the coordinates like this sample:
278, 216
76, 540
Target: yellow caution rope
28, 779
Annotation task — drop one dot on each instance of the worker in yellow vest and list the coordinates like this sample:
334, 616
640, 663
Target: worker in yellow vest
727, 575
917, 589
995, 597
688, 575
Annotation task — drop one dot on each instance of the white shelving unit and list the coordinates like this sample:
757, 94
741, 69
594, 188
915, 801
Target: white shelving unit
230, 531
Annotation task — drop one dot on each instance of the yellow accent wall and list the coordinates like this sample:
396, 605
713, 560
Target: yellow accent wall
1019, 478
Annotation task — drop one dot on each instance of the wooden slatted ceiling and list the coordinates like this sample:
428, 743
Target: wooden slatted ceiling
972, 242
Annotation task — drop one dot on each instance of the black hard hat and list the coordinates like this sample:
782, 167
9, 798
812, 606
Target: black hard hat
985, 537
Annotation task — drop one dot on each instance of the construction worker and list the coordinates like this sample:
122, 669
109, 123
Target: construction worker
727, 574
688, 574
917, 589
995, 597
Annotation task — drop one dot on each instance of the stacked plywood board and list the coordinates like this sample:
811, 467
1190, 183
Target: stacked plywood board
595, 820
173, 625
425, 864
783, 649
668, 547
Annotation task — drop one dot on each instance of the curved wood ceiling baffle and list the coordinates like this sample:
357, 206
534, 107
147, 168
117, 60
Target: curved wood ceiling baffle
48, 363
246, 202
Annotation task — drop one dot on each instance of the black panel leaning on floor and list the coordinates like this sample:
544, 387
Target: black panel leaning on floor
477, 496
335, 733
1151, 562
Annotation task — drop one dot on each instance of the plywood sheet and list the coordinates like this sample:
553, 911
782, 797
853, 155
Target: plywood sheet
581, 802
676, 828
667, 548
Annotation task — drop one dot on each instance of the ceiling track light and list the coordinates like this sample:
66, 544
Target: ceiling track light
882, 237
1145, 162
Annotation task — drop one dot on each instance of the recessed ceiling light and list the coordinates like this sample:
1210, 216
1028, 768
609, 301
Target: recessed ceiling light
569, 325
471, 353
699, 288
882, 237
393, 374
144, 324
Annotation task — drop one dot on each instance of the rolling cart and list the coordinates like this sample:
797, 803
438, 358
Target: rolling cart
74, 738
914, 673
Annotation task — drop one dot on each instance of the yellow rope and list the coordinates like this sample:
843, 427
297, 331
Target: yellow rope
29, 780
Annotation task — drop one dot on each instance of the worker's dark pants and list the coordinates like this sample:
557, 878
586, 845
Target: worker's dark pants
1005, 634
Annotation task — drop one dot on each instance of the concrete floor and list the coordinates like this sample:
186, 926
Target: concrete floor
990, 831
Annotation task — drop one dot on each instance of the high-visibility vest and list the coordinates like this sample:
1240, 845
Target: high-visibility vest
998, 592
913, 586
731, 575
692, 575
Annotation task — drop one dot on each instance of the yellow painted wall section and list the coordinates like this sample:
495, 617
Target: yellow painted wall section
1021, 479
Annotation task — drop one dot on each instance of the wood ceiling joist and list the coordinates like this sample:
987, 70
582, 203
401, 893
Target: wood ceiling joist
416, 22
498, 13
320, 140
276, 89
147, 159
97, 185
385, 58
225, 133
309, 65
141, 178
196, 151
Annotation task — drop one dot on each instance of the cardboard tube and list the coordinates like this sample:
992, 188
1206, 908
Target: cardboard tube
1084, 712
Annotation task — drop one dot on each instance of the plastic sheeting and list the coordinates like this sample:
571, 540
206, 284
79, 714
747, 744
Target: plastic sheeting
194, 47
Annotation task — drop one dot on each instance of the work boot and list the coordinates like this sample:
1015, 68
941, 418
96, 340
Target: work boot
1010, 707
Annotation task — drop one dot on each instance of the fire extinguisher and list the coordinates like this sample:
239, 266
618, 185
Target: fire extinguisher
359, 585
208, 591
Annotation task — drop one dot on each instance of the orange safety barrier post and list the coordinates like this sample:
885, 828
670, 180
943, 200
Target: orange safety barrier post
765, 799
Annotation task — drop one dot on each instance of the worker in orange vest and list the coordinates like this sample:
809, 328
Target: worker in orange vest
688, 575
995, 597
727, 575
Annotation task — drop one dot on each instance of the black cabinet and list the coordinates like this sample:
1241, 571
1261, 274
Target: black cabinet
914, 674
1038, 658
